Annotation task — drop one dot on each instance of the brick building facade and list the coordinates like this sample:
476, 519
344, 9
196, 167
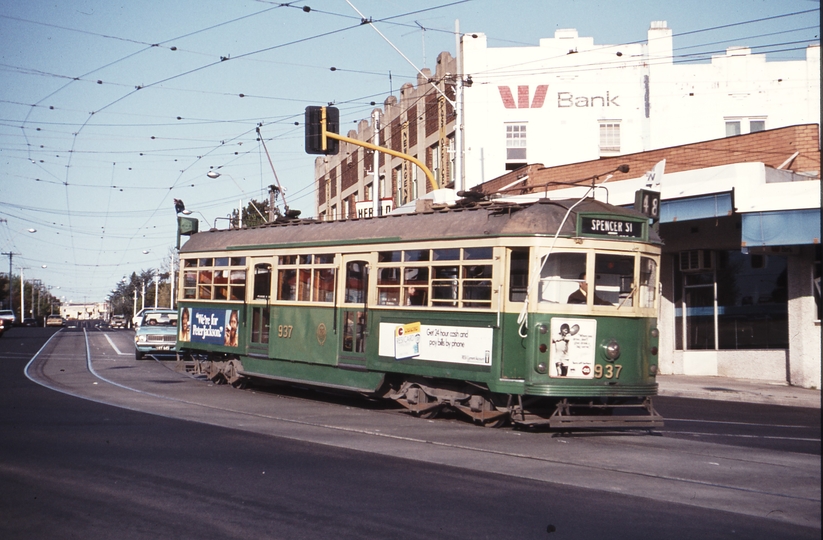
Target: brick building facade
420, 124
795, 148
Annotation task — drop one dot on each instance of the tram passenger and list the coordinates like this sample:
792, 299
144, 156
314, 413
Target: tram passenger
415, 296
579, 296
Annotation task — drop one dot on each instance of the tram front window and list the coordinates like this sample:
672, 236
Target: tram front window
560, 277
614, 279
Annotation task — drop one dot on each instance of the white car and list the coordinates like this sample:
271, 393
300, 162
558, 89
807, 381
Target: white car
138, 317
9, 317
54, 320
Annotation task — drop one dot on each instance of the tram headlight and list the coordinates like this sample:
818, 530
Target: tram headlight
653, 370
655, 332
612, 350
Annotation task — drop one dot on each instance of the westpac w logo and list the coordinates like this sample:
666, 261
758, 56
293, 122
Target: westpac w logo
523, 97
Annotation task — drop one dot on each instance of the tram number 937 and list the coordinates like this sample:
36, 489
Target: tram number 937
609, 371
284, 330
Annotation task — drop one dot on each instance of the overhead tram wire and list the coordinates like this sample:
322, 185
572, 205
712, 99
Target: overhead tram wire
74, 138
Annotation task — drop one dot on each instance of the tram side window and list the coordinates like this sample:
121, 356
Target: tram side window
648, 282
237, 282
416, 287
446, 277
204, 279
262, 281
189, 284
221, 284
561, 277
306, 278
388, 286
614, 280
356, 275
304, 284
286, 279
217, 278
477, 285
445, 286
518, 274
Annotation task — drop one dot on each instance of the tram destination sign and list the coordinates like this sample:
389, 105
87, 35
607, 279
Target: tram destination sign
610, 226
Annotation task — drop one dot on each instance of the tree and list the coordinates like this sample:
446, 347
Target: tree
255, 213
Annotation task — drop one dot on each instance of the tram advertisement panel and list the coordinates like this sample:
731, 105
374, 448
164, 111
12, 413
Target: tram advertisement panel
572, 353
454, 344
214, 326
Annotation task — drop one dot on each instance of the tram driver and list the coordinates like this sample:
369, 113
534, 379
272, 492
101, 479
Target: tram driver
579, 296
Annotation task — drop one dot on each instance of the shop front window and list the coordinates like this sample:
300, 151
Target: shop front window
742, 303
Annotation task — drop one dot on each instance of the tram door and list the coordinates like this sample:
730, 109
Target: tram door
353, 312
257, 308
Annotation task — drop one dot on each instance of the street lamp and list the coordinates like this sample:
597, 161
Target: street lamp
215, 175
22, 292
11, 255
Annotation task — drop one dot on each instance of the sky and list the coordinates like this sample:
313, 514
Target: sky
111, 110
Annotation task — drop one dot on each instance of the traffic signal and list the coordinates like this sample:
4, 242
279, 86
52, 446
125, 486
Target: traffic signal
316, 141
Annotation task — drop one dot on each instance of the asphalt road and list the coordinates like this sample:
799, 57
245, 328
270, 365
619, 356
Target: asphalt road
212, 462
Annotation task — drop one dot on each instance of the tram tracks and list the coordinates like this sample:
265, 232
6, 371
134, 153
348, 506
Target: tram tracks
751, 481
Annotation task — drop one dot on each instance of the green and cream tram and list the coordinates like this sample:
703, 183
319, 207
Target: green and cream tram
536, 313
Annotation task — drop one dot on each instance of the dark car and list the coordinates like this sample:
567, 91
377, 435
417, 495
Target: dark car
28, 321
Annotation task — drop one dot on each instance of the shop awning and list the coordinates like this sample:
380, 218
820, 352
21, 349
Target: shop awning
706, 206
781, 228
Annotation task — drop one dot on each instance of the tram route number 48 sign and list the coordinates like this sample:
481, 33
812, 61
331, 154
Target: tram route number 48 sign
647, 201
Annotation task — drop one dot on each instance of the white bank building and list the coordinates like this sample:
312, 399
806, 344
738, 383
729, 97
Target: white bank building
570, 100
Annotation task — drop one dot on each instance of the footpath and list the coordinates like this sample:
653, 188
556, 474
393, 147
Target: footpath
743, 390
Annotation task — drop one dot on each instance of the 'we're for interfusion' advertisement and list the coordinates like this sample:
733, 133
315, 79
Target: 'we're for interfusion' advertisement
215, 326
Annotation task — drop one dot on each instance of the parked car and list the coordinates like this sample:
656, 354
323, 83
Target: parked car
54, 320
8, 317
157, 332
2, 327
117, 321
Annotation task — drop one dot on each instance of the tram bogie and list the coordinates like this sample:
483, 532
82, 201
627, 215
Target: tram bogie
536, 313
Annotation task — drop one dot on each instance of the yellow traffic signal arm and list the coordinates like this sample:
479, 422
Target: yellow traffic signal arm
324, 133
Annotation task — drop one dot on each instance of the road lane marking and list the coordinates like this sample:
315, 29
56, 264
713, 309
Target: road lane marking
113, 346
742, 436
732, 423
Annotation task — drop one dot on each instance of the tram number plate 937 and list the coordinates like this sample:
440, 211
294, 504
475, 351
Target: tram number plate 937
609, 371
284, 330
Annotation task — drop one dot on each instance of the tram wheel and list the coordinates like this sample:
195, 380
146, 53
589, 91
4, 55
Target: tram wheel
497, 422
429, 414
